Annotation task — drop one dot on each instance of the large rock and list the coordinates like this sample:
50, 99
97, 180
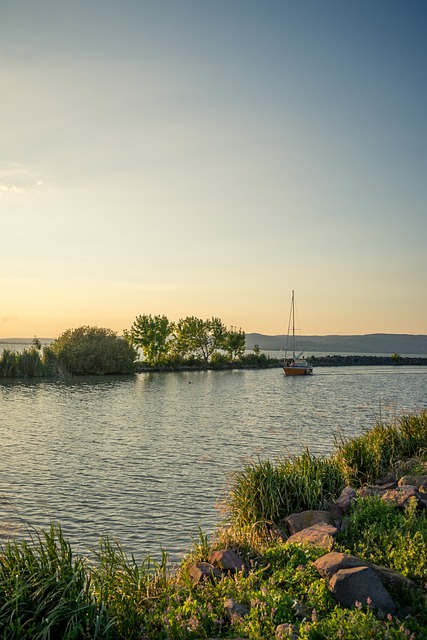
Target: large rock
320, 535
298, 521
334, 561
227, 560
330, 563
361, 585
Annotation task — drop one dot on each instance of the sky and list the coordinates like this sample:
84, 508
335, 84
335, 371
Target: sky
206, 157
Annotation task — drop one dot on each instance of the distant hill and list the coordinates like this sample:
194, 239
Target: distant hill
24, 340
386, 343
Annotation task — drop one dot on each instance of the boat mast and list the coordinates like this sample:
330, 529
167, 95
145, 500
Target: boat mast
293, 325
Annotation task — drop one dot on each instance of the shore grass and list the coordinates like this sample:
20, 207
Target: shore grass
47, 592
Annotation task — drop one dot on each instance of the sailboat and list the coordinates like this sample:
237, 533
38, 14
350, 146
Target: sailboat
297, 365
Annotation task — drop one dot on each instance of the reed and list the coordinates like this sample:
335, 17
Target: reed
45, 592
379, 450
8, 364
263, 493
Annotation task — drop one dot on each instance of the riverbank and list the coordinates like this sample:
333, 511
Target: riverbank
251, 579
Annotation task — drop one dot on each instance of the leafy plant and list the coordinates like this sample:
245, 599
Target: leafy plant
93, 350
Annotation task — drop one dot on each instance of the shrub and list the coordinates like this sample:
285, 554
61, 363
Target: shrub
93, 350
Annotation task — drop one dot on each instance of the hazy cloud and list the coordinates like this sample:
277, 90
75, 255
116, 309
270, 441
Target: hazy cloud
16, 179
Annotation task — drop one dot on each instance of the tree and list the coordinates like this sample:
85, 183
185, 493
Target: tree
196, 337
94, 351
152, 334
235, 343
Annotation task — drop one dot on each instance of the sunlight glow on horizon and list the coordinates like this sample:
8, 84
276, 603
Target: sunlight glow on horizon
206, 159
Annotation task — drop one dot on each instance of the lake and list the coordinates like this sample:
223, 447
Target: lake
146, 458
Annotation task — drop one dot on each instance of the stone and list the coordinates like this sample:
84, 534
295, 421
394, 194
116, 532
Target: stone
302, 611
346, 499
389, 478
321, 535
361, 585
400, 496
298, 521
413, 481
202, 571
330, 563
227, 560
287, 631
334, 561
234, 610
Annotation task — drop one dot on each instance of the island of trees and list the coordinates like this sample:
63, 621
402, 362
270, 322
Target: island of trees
152, 343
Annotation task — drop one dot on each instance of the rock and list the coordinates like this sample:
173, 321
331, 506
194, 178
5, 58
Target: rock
298, 521
389, 478
346, 499
329, 564
227, 560
287, 631
234, 610
370, 490
399, 497
334, 561
301, 611
202, 571
413, 481
361, 584
321, 535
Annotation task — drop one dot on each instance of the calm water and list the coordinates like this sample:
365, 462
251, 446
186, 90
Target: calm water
145, 458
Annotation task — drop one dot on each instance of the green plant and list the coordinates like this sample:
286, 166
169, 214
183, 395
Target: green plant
93, 350
263, 493
45, 592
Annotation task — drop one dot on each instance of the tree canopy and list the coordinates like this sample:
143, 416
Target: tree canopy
162, 341
93, 350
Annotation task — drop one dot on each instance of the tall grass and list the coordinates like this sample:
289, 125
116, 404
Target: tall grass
263, 492
45, 592
129, 591
23, 364
381, 449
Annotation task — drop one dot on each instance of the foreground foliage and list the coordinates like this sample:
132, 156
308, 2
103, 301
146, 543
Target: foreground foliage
47, 592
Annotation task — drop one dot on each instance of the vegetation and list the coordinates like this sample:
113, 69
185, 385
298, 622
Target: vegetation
189, 341
47, 592
93, 350
82, 351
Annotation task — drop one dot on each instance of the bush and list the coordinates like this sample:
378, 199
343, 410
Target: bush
93, 351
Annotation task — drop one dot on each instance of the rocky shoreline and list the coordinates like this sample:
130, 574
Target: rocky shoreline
364, 361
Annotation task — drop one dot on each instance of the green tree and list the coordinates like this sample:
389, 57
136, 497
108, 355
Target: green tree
152, 334
235, 343
200, 338
93, 350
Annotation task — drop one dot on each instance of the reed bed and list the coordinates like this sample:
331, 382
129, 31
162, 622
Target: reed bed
23, 364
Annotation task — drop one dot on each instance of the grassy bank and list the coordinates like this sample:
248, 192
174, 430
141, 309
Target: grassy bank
48, 592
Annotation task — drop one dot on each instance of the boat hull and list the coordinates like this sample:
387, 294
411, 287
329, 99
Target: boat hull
297, 371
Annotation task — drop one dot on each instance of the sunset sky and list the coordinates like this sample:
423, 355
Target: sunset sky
206, 157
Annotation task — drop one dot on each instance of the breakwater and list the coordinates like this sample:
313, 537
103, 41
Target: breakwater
365, 361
